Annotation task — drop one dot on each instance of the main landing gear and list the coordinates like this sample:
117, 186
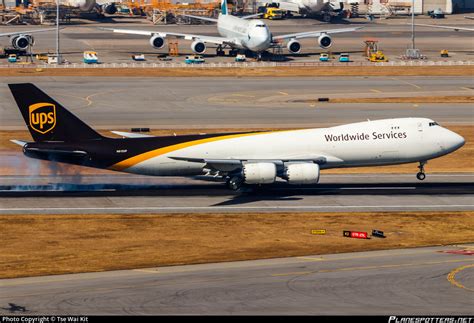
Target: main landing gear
235, 183
421, 174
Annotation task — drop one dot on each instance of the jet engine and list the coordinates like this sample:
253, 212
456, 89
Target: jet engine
198, 47
324, 41
157, 42
303, 173
259, 173
109, 8
294, 46
22, 41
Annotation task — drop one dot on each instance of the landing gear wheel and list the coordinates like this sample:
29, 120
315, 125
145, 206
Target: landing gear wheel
421, 176
235, 183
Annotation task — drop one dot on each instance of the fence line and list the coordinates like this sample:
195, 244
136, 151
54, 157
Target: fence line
241, 64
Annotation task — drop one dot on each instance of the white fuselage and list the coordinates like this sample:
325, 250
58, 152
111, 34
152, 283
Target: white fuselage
251, 34
370, 143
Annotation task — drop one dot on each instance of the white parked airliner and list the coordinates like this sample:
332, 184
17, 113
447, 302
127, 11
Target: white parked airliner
296, 156
238, 33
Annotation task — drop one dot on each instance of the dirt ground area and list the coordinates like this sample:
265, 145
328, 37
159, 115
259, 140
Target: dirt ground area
281, 71
33, 245
12, 162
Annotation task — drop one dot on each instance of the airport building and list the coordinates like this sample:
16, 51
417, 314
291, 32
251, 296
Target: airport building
421, 6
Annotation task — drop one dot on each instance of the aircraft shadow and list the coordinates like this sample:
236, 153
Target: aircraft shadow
278, 190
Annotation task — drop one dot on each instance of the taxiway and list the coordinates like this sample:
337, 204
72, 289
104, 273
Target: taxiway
421, 281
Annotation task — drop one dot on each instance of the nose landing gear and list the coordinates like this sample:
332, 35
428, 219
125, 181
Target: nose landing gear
421, 174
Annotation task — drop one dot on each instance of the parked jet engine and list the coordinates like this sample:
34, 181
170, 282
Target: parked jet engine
302, 173
157, 41
22, 41
259, 173
109, 8
294, 46
198, 47
325, 41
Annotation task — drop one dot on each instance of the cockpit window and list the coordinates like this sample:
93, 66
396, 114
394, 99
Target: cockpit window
432, 124
259, 25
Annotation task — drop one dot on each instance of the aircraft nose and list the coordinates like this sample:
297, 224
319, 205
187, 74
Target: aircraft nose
454, 141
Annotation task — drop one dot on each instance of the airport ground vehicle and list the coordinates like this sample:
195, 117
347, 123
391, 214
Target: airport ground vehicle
344, 58
139, 57
12, 58
90, 57
323, 57
194, 59
253, 158
240, 58
377, 56
273, 13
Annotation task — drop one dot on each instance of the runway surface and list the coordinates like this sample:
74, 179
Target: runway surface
176, 103
421, 281
140, 194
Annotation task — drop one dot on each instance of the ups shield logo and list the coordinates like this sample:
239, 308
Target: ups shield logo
42, 117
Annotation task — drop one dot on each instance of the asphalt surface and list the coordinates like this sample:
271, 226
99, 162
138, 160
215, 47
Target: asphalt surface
420, 281
100, 194
394, 37
121, 103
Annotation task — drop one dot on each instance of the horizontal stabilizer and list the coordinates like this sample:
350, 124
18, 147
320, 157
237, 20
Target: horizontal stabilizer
18, 142
130, 134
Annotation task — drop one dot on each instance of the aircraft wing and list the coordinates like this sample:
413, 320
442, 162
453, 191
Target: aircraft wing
315, 33
201, 18
165, 34
228, 165
446, 27
26, 32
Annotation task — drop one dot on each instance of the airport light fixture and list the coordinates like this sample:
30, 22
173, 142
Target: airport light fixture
58, 54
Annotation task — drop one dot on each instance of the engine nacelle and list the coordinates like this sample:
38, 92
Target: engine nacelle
198, 47
259, 173
303, 173
157, 41
294, 46
325, 41
109, 9
22, 41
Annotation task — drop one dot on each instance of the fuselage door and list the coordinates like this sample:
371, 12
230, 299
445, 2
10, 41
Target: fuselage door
420, 126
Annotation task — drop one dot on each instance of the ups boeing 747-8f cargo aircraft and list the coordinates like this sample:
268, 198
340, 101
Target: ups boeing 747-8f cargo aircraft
296, 156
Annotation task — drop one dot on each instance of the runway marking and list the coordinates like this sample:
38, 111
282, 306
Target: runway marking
282, 93
406, 82
452, 277
209, 208
375, 90
322, 271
